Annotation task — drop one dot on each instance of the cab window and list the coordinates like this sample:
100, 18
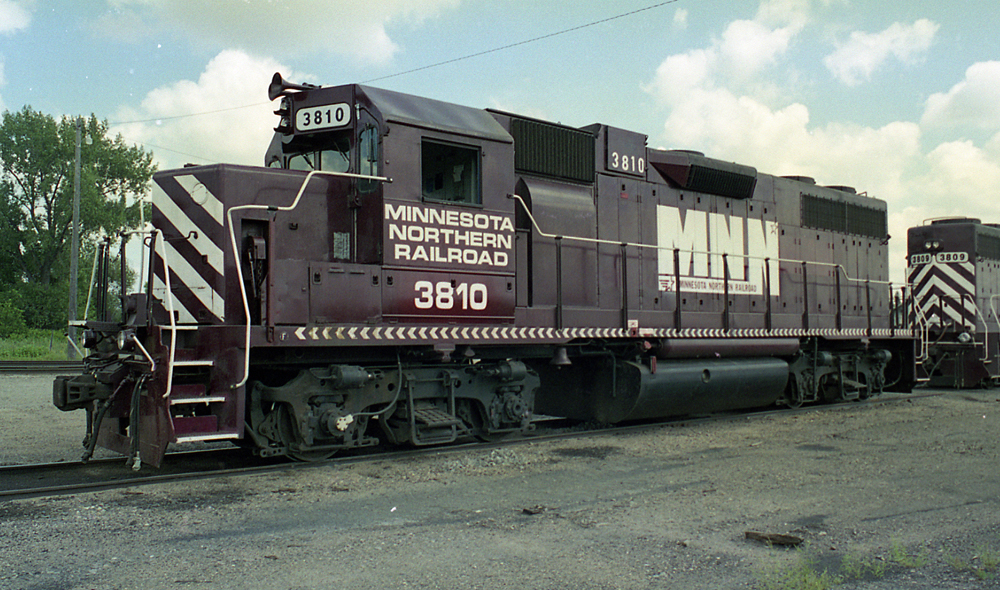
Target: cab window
329, 152
450, 173
368, 158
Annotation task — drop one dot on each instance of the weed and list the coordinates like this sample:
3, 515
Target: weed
803, 574
857, 567
954, 561
983, 564
899, 554
989, 558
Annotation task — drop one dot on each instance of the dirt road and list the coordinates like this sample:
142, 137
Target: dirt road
895, 495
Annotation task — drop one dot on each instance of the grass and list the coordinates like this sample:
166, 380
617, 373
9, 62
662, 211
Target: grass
806, 573
35, 345
899, 554
857, 566
802, 574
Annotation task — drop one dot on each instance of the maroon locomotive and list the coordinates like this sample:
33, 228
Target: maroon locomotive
954, 274
413, 271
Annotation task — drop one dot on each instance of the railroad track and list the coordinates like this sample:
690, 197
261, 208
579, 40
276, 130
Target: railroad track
40, 366
57, 479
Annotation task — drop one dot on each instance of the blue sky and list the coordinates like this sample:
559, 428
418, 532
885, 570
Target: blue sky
898, 99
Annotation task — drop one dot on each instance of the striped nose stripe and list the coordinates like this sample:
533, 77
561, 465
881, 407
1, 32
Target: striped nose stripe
946, 292
190, 217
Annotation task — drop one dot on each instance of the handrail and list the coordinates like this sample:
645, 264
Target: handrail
236, 254
838, 266
170, 312
923, 327
986, 332
90, 289
841, 271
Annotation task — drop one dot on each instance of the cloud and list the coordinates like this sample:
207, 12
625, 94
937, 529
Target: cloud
162, 122
355, 28
855, 61
731, 118
745, 49
750, 46
13, 17
973, 102
680, 19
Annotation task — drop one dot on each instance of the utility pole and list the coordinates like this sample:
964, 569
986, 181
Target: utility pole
74, 256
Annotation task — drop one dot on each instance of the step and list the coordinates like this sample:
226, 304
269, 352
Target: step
205, 399
207, 437
194, 363
195, 425
193, 393
434, 418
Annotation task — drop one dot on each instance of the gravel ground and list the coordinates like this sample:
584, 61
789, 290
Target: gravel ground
901, 495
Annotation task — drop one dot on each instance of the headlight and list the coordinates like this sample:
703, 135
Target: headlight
90, 338
124, 340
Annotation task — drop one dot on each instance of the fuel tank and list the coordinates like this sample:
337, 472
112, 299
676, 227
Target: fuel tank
639, 391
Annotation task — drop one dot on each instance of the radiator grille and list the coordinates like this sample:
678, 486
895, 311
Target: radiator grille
843, 217
550, 150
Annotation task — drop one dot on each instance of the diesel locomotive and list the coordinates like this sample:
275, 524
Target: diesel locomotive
410, 271
954, 274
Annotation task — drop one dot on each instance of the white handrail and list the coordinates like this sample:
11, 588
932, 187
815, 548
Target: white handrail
90, 289
236, 254
840, 267
170, 311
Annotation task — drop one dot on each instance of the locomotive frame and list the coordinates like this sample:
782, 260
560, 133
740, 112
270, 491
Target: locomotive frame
442, 271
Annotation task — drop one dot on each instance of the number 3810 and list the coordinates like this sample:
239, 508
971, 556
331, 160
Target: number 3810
445, 295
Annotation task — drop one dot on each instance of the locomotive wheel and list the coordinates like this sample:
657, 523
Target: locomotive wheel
290, 438
793, 394
472, 415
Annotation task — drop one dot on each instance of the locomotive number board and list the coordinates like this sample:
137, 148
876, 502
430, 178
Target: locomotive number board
327, 116
625, 152
940, 258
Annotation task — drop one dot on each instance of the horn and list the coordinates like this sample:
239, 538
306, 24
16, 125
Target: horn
279, 86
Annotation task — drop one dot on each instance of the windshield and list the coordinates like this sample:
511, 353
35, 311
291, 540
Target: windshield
331, 153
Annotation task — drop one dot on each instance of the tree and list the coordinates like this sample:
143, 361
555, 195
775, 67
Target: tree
37, 155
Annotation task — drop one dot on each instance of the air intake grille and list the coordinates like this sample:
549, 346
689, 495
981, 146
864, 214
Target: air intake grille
721, 182
843, 217
549, 150
989, 247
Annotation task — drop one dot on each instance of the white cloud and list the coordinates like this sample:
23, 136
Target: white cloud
730, 119
238, 136
356, 28
961, 179
780, 13
973, 102
680, 18
855, 61
750, 46
745, 50
13, 17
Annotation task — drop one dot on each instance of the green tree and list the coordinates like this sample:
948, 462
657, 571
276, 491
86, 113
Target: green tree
37, 155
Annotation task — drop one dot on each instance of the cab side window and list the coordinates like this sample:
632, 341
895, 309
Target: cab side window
368, 157
450, 173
